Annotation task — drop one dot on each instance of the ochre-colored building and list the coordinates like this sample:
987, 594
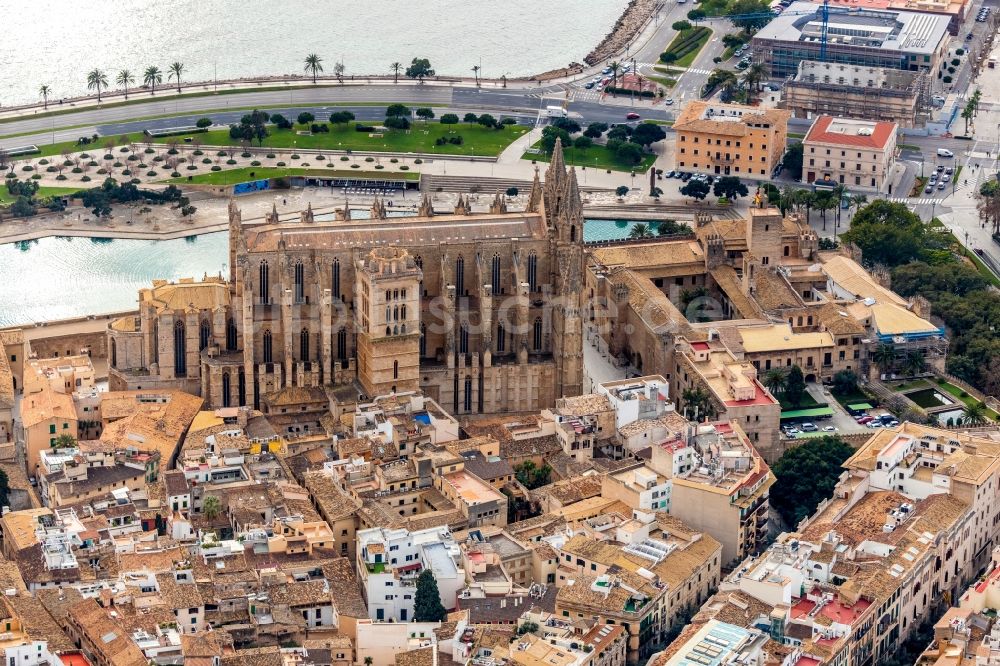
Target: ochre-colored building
730, 139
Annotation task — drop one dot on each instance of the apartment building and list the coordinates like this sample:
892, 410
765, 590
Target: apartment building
860, 154
734, 393
664, 567
719, 485
390, 560
730, 139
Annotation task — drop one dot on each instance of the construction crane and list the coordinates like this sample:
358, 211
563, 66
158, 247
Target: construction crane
824, 15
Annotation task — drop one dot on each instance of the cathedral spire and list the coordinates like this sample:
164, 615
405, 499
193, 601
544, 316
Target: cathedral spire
535, 196
272, 217
557, 165
426, 206
574, 205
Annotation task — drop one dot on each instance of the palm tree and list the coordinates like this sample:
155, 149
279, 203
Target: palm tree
839, 191
176, 69
96, 79
396, 68
774, 380
314, 64
857, 201
824, 201
754, 75
884, 357
967, 113
44, 91
807, 200
211, 507
475, 70
151, 77
615, 67
125, 79
697, 401
915, 363
975, 414
369, 661
640, 230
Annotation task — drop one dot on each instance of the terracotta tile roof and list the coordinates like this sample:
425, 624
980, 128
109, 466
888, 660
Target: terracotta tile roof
878, 136
650, 255
570, 490
773, 292
345, 588
37, 622
650, 304
729, 282
105, 635
47, 404
692, 119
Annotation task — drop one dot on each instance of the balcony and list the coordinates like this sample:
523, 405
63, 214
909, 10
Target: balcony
719, 158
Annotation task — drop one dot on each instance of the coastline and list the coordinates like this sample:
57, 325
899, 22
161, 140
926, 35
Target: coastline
625, 29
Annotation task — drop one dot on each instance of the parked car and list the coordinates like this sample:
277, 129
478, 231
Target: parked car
632, 115
941, 186
668, 102
809, 427
829, 429
948, 171
865, 419
969, 36
928, 189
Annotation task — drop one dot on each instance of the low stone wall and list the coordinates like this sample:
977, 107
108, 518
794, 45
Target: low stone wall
629, 24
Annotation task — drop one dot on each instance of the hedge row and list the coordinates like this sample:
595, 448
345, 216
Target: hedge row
688, 44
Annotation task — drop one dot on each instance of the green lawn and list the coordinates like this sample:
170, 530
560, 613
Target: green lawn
244, 174
597, 156
663, 81
960, 393
852, 398
477, 140
808, 402
685, 58
958, 170
902, 387
653, 121
43, 192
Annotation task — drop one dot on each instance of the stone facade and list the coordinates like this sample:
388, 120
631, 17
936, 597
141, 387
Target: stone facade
481, 312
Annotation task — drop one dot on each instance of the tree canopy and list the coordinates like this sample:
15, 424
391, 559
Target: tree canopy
696, 189
730, 187
419, 69
795, 386
806, 475
793, 160
531, 476
888, 233
427, 606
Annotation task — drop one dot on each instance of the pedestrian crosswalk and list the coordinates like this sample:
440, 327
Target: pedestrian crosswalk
927, 201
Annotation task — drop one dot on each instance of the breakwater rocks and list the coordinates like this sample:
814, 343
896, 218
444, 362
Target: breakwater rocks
628, 26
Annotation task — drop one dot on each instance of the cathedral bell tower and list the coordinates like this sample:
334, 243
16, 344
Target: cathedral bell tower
388, 321
563, 209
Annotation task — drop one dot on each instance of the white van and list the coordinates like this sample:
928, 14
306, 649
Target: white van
944, 152
556, 112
